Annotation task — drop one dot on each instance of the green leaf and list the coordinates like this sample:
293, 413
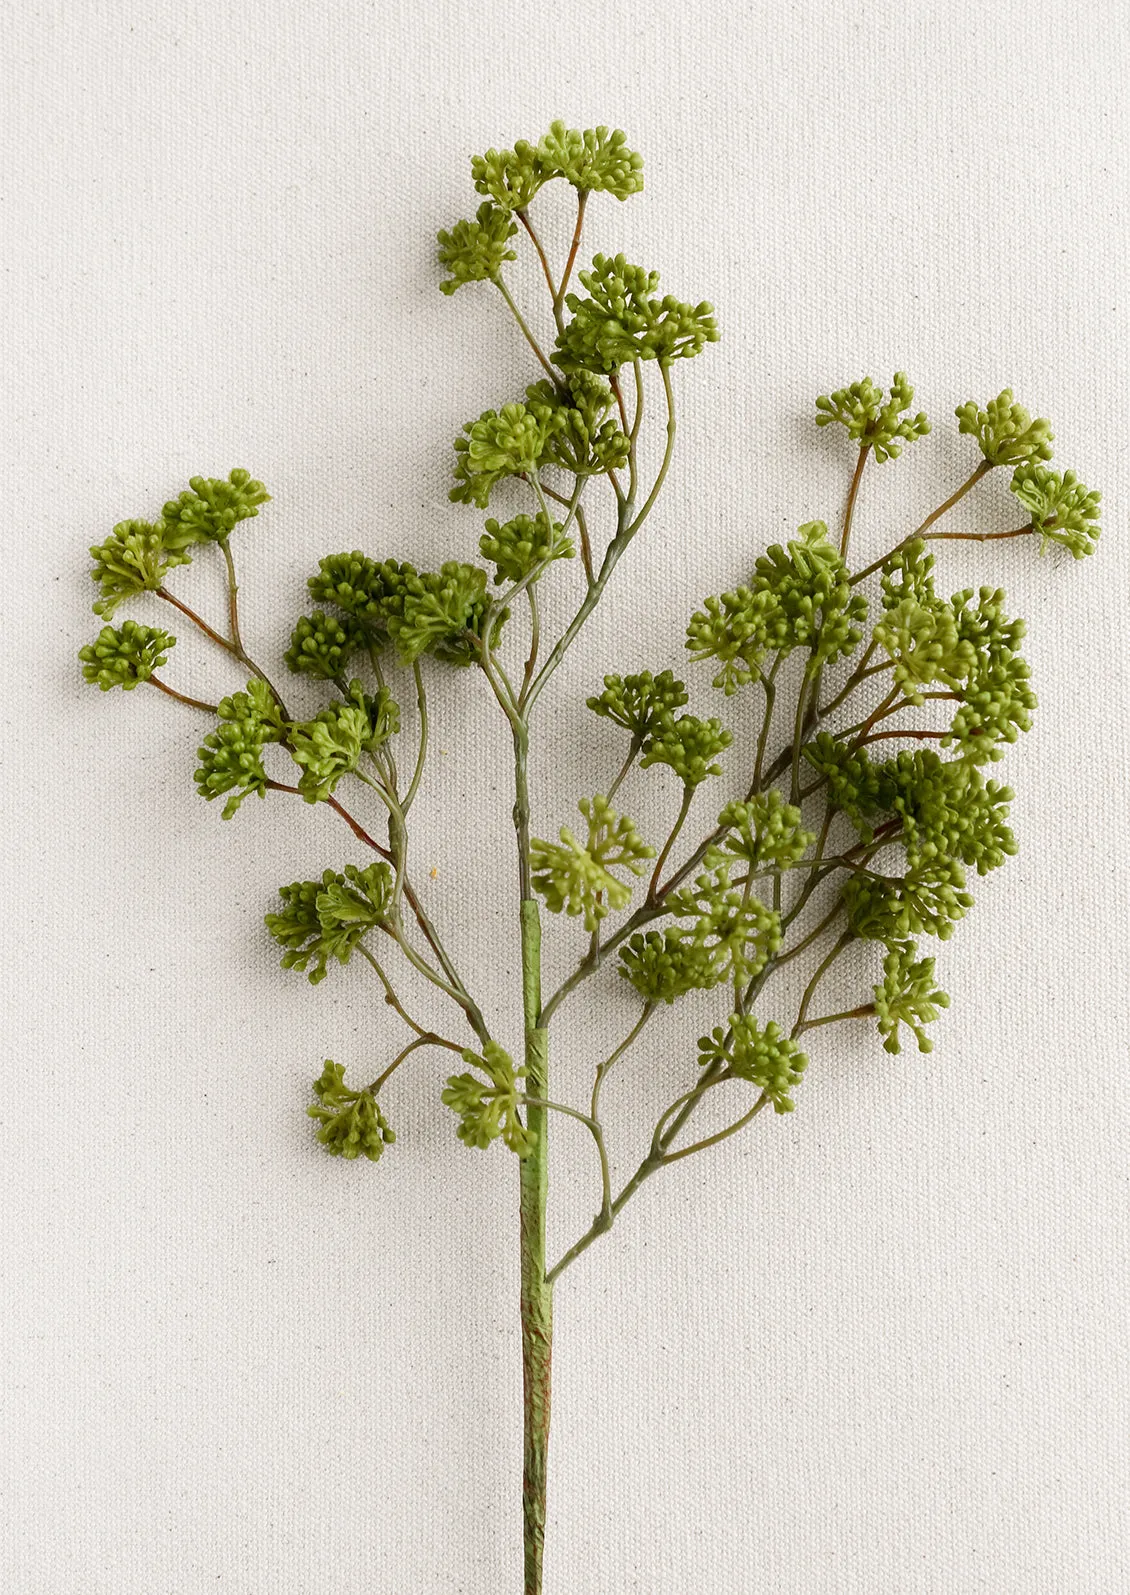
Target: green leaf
489, 1110
907, 996
125, 656
476, 251
576, 877
872, 421
351, 1123
763, 1055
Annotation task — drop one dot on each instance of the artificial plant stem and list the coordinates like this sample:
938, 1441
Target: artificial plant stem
523, 217
422, 704
554, 376
559, 296
853, 493
237, 641
684, 809
170, 692
209, 631
533, 1176
536, 1290
935, 515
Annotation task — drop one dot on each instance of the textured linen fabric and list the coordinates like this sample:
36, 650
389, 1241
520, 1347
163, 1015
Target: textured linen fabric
877, 1347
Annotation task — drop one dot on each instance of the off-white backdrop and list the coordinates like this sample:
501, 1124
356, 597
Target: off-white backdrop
878, 1347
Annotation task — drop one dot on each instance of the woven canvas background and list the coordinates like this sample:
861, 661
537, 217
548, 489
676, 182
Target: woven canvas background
875, 1349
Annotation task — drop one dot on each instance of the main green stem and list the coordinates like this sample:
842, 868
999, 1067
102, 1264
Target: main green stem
536, 1291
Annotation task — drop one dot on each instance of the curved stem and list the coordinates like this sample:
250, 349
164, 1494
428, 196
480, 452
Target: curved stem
844, 942
853, 492
866, 1011
170, 692
684, 809
553, 375
982, 470
665, 372
722, 1135
427, 1040
613, 1057
422, 704
221, 642
633, 752
559, 296
523, 217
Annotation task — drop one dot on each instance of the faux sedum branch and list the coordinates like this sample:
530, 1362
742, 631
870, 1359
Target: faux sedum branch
878, 706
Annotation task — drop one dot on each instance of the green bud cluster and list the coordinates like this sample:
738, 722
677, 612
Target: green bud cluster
500, 444
1005, 432
325, 919
585, 439
663, 965
125, 656
639, 703
872, 421
522, 544
622, 321
231, 756
331, 745
476, 251
763, 1055
799, 597
351, 1125
688, 746
1063, 510
214, 507
322, 645
929, 899
595, 160
907, 996
364, 588
766, 831
489, 1110
577, 877
135, 558
738, 931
